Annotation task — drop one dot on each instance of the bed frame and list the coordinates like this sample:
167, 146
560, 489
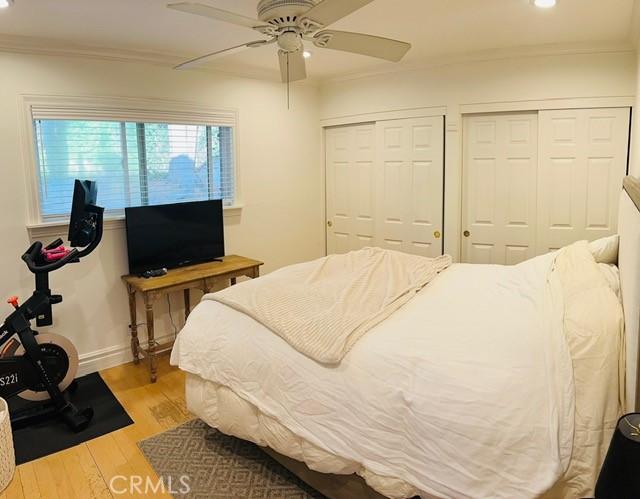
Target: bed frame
350, 486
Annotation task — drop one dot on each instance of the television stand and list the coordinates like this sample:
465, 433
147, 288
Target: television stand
203, 276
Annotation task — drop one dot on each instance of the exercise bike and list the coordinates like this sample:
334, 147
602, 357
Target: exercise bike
41, 367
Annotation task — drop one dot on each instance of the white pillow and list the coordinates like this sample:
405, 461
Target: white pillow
605, 250
612, 276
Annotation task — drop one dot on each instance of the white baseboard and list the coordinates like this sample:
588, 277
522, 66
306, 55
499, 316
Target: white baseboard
104, 359
109, 357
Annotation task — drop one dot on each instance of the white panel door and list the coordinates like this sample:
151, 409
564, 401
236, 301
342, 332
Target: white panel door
499, 188
350, 164
409, 185
583, 159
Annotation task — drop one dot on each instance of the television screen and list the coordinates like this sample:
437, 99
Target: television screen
174, 235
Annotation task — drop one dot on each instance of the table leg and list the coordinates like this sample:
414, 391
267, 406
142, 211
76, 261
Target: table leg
148, 301
135, 344
187, 304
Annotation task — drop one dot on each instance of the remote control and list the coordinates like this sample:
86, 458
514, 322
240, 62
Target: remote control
154, 273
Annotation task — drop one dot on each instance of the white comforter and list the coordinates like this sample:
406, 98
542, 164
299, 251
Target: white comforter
466, 391
323, 307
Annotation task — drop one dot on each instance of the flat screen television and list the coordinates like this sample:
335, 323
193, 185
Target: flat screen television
174, 235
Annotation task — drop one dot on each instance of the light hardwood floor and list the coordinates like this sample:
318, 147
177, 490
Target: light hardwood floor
84, 471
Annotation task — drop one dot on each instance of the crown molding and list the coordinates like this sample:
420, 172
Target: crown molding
487, 56
46, 46
50, 47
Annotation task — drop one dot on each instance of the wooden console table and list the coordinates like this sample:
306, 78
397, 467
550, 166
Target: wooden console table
203, 276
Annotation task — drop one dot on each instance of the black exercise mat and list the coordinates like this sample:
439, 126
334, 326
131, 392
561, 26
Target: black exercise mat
52, 435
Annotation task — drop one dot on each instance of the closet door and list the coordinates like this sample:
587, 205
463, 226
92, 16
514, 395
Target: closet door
350, 163
499, 188
409, 185
583, 159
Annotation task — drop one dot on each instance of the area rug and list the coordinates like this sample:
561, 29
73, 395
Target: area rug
200, 462
52, 435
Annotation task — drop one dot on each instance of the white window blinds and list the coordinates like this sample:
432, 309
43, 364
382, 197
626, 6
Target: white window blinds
135, 162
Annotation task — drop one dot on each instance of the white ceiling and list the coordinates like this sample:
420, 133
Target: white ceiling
436, 28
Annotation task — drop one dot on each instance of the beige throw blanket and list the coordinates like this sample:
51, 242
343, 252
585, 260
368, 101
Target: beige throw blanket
321, 308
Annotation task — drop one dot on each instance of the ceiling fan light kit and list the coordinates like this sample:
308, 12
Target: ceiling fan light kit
289, 23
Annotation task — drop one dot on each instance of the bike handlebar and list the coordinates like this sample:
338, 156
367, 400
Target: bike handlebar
33, 256
54, 244
30, 257
33, 251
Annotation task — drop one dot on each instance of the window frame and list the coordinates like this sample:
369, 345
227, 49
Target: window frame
120, 109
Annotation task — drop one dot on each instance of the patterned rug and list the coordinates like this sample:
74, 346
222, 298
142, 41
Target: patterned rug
212, 465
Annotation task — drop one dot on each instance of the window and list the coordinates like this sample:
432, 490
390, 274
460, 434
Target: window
134, 163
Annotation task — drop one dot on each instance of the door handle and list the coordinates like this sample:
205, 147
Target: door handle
466, 233
329, 223
437, 234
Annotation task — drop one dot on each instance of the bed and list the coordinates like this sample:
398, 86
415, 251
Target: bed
512, 390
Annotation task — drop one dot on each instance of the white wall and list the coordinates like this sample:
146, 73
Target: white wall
529, 78
279, 169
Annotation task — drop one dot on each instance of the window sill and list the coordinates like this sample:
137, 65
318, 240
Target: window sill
57, 228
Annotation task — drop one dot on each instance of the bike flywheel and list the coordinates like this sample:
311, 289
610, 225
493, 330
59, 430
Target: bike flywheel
53, 346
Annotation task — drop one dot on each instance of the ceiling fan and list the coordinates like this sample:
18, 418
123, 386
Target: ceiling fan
290, 22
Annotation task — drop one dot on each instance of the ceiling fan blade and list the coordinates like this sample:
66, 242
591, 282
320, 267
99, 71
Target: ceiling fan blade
201, 9
213, 55
292, 66
329, 11
358, 43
